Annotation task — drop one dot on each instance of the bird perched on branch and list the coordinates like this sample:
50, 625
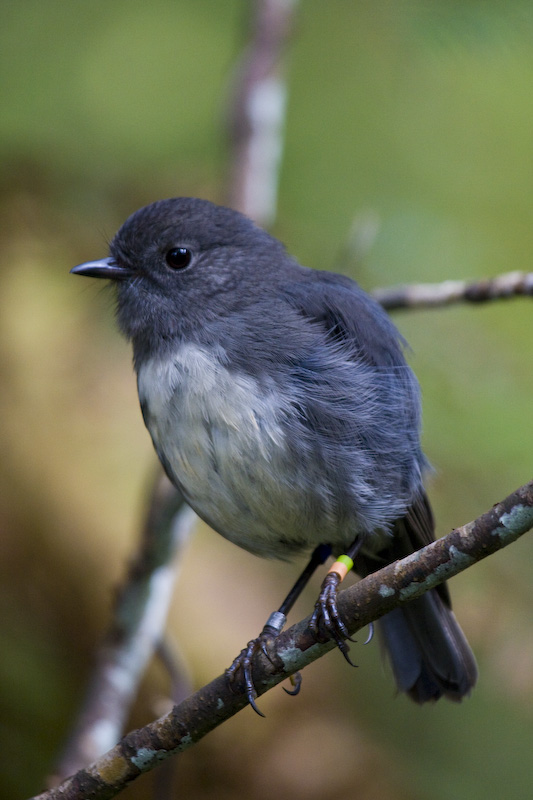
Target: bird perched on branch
280, 403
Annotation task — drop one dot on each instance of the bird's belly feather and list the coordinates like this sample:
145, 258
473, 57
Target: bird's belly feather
221, 436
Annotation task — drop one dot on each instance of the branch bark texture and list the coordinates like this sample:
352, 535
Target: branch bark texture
371, 598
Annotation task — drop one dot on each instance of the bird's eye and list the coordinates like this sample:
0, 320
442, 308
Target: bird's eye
178, 257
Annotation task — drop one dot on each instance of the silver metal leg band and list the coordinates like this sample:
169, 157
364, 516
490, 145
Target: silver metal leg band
277, 621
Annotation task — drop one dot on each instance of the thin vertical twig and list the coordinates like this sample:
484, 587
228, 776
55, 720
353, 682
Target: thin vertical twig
257, 115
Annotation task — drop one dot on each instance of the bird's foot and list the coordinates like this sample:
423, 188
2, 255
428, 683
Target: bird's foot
262, 644
326, 622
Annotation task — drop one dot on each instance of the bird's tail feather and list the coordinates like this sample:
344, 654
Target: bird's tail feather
428, 651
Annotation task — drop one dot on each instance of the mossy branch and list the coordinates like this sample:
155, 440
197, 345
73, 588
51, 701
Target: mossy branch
371, 598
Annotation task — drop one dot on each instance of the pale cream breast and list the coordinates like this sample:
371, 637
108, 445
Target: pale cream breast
221, 433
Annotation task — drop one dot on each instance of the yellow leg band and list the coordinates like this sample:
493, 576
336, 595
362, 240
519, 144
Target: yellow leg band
342, 566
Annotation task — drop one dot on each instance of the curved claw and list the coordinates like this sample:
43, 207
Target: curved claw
326, 622
296, 681
370, 633
343, 647
251, 700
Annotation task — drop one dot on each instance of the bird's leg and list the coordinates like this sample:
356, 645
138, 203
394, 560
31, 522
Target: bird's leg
273, 627
326, 622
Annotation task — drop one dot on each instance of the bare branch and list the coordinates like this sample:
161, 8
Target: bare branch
136, 627
429, 295
371, 598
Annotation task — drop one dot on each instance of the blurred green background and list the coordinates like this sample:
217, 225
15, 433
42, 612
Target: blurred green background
418, 115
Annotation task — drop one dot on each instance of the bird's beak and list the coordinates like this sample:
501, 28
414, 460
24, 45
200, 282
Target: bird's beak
105, 268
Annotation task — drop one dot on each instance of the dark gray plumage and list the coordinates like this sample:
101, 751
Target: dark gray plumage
279, 401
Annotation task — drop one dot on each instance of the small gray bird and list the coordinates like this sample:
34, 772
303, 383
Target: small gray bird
280, 403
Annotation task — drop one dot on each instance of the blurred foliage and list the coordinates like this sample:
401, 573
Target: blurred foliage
414, 117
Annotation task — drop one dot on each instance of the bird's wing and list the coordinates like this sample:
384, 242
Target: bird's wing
351, 318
